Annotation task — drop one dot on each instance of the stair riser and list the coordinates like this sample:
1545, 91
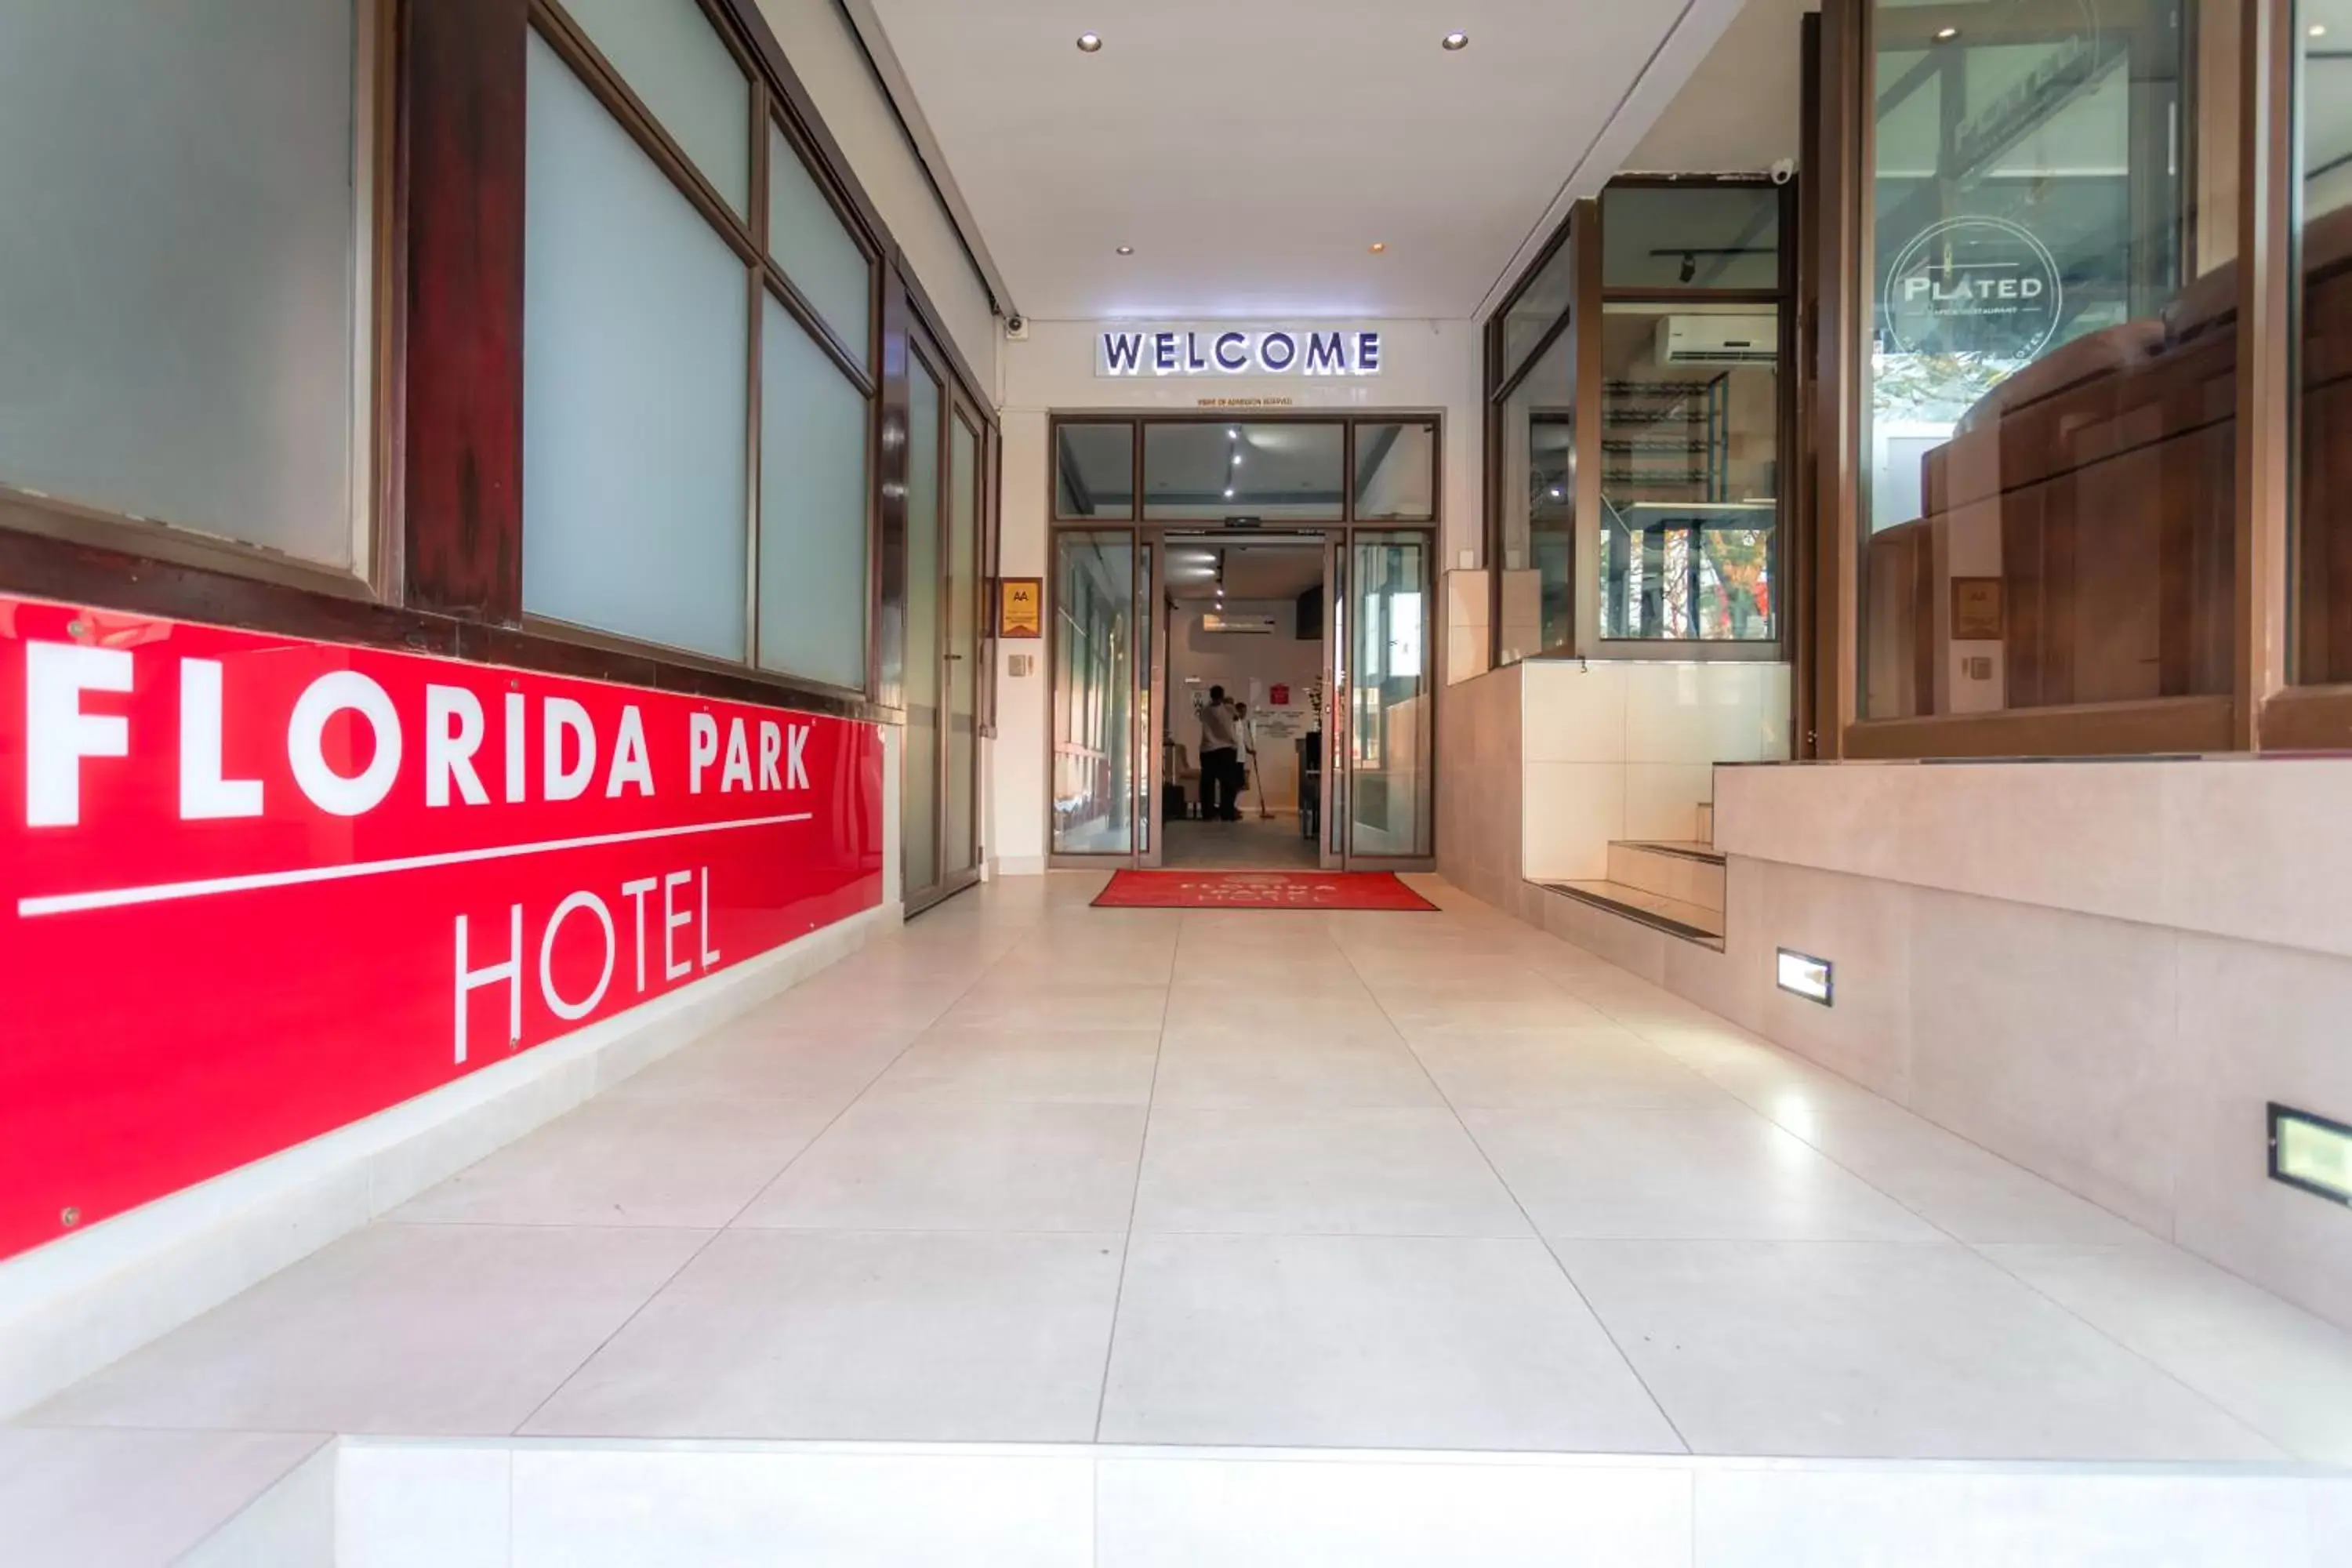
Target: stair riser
1669, 875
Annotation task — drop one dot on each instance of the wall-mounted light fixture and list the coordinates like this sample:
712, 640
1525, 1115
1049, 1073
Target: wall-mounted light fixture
1802, 974
2311, 1152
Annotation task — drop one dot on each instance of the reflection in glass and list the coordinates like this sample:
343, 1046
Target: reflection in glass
920, 773
814, 246
963, 641
1544, 300
1689, 446
1396, 472
1094, 470
1539, 506
1293, 470
813, 508
1690, 237
2051, 438
1095, 643
1389, 711
673, 59
2323, 603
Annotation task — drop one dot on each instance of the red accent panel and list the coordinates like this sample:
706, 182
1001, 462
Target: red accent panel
1259, 890
185, 992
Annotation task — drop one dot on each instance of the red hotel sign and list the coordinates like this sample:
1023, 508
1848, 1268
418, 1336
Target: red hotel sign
253, 889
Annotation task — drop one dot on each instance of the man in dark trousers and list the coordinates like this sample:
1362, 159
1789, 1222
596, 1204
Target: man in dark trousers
1220, 786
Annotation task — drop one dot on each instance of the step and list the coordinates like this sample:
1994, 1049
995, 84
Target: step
1706, 822
1692, 922
1686, 872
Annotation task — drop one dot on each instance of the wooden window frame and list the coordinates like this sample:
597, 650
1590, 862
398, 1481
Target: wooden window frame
1349, 420
2262, 711
442, 572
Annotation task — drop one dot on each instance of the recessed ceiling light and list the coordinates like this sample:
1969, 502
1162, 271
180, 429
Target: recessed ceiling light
1457, 40
2319, 30
1090, 43
1378, 245
1229, 492
1127, 251
1946, 34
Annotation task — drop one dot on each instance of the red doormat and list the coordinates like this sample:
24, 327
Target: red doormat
1259, 890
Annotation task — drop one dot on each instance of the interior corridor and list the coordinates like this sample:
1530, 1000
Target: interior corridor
1029, 1170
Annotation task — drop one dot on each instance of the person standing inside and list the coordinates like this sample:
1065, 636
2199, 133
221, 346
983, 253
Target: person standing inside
1220, 759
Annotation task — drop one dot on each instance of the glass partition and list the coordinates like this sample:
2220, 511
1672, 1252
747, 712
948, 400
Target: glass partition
1690, 237
1690, 414
1293, 470
918, 809
963, 645
1390, 712
1396, 472
1094, 470
1538, 497
2050, 446
1545, 298
2322, 637
1095, 634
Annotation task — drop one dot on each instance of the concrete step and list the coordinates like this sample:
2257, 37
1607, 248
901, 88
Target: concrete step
1692, 922
1686, 871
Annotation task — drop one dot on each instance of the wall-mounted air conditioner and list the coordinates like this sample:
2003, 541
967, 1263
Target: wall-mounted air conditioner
1719, 340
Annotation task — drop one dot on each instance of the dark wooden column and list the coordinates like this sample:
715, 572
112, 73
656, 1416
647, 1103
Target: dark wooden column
455, 450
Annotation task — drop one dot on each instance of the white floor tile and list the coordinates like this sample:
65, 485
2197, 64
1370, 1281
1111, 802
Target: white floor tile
817, 1068
1234, 1069
77, 1498
690, 1163
1692, 1170
1099, 1068
1882, 1349
457, 1330
1360, 1341
962, 1166
2282, 1371
1074, 1006
1297, 1172
1528, 1069
807, 1334
423, 1505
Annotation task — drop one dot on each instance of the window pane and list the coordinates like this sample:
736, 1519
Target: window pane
1544, 300
1094, 471
920, 778
1289, 470
1539, 503
963, 638
806, 238
635, 326
1390, 723
1095, 631
2323, 606
674, 62
2051, 440
1689, 472
1396, 472
1661, 237
177, 264
812, 508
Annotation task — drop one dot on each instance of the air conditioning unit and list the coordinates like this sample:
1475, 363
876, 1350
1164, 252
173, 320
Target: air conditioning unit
1719, 340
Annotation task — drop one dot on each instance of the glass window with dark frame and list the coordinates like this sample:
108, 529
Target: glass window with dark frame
1536, 525
2321, 645
1210, 469
640, 517
2049, 442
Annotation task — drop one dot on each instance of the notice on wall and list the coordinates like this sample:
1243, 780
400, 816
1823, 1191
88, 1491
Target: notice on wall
253, 889
1021, 607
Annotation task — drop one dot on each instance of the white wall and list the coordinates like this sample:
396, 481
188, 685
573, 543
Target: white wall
1429, 367
1199, 659
831, 64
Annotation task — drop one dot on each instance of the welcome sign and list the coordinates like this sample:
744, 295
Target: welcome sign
1223, 350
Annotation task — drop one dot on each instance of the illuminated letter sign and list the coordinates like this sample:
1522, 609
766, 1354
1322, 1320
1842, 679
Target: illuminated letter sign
1197, 348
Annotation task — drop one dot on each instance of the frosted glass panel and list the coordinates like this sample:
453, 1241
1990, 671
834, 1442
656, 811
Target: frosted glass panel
805, 237
919, 785
177, 234
667, 52
963, 638
812, 508
635, 345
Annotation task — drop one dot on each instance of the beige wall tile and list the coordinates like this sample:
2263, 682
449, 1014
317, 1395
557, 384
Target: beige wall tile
1569, 812
1574, 714
1863, 929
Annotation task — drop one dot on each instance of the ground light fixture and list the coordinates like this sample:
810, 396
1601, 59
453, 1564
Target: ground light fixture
1090, 43
2311, 1152
1803, 974
1453, 41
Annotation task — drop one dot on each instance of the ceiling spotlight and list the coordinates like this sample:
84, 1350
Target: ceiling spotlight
1946, 34
1456, 40
1378, 245
2319, 30
1090, 43
1127, 251
1233, 433
1229, 492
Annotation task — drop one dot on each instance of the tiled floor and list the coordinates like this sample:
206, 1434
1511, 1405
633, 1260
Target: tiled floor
1032, 1171
1261, 843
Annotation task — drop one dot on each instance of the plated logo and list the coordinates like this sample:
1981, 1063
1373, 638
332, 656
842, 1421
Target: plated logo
1984, 287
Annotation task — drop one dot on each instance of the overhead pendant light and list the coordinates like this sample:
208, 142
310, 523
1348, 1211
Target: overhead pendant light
1090, 43
1455, 41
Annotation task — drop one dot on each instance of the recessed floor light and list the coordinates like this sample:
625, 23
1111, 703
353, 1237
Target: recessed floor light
1379, 246
1090, 43
1127, 251
1457, 40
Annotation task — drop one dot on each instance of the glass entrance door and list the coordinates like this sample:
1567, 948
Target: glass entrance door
940, 840
1390, 697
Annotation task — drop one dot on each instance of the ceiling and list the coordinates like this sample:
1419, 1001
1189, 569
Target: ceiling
1196, 570
1739, 112
1251, 151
